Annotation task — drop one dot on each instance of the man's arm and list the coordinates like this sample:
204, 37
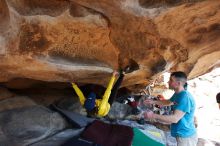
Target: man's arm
104, 108
159, 102
109, 87
169, 119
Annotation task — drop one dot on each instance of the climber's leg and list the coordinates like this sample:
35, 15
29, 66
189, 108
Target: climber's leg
115, 89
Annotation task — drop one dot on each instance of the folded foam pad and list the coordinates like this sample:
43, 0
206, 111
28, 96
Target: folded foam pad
76, 119
108, 134
141, 139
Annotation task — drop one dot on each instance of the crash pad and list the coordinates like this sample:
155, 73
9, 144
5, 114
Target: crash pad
141, 139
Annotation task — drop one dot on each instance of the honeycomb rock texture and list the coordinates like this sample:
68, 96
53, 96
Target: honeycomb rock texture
85, 40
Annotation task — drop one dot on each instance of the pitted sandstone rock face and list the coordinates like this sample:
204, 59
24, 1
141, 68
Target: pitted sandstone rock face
85, 40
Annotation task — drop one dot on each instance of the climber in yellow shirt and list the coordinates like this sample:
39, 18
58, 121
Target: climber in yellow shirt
101, 106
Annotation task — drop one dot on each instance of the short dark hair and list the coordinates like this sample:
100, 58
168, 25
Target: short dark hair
179, 74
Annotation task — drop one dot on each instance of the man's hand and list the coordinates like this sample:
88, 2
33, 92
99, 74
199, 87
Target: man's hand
115, 73
149, 101
73, 84
149, 115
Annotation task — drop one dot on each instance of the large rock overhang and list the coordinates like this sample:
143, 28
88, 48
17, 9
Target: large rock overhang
85, 40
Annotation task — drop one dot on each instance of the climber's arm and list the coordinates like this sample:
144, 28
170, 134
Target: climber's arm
104, 106
79, 93
108, 89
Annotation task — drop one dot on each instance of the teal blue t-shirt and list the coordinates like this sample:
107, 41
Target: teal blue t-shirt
184, 102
